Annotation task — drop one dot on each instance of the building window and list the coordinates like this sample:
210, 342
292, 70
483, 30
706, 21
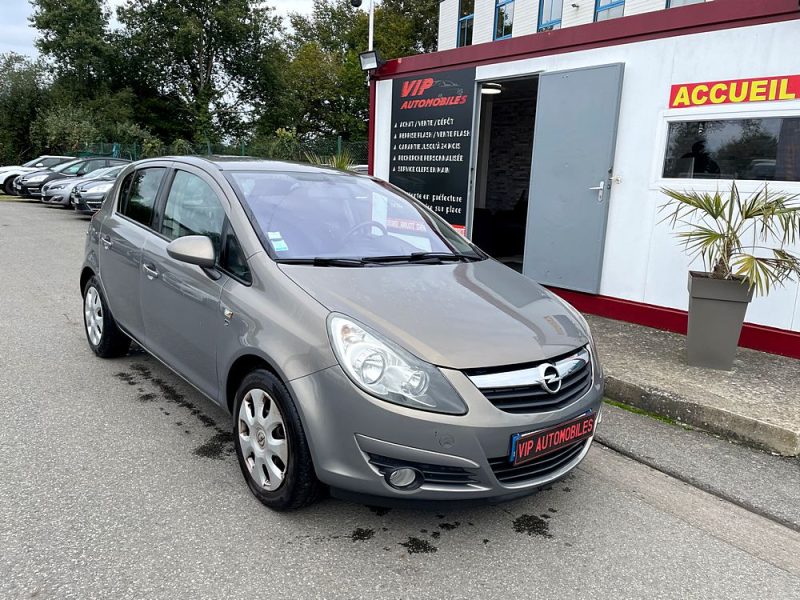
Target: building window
503, 19
676, 3
763, 149
466, 17
608, 9
550, 14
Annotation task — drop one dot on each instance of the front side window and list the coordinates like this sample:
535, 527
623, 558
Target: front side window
139, 192
676, 3
763, 149
466, 17
193, 208
550, 14
503, 19
320, 215
608, 9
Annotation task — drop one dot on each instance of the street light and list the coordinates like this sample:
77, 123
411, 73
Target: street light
370, 60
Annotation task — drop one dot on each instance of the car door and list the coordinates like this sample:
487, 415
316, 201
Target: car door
122, 236
181, 302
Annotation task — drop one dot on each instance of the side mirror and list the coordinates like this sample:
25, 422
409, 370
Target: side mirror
194, 250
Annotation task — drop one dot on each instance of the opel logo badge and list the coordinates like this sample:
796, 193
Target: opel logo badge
551, 380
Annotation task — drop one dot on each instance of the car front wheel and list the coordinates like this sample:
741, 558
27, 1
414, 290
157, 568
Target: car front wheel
271, 445
8, 186
104, 336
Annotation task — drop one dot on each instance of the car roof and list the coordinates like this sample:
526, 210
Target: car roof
248, 163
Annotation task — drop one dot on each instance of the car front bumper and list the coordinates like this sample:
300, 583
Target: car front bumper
33, 190
60, 197
87, 204
351, 434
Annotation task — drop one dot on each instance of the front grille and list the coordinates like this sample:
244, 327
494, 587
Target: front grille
538, 468
438, 474
532, 397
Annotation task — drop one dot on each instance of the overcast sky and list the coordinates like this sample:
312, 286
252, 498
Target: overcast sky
16, 34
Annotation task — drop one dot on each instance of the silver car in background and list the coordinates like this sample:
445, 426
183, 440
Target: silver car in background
360, 344
58, 192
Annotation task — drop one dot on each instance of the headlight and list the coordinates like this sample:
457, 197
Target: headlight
388, 372
36, 178
54, 186
100, 189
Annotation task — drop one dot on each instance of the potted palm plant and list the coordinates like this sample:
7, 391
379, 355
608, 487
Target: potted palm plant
742, 240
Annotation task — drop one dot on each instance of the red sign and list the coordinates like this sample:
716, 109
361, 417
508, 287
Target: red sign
735, 91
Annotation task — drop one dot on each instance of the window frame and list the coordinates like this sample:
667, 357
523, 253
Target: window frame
710, 113
599, 7
549, 25
462, 19
497, 6
162, 186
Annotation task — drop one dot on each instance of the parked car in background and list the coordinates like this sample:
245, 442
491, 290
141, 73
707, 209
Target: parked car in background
356, 338
58, 192
30, 184
9, 173
87, 197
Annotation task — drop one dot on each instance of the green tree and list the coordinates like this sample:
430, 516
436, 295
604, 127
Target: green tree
216, 56
73, 34
23, 93
65, 128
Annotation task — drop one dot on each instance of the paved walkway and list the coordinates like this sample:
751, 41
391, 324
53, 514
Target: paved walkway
758, 402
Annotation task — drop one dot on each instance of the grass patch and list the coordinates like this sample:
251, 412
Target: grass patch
646, 413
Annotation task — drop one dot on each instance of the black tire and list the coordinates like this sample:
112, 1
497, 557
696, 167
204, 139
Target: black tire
111, 342
300, 486
8, 186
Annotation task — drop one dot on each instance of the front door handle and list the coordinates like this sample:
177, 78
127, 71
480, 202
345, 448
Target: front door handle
150, 271
599, 189
106, 241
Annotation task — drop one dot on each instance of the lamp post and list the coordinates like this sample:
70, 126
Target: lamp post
371, 40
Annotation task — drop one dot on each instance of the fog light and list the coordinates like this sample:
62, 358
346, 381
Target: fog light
404, 478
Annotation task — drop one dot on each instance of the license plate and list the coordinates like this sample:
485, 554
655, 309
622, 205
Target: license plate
528, 446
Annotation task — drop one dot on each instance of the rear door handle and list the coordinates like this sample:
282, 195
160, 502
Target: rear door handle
150, 271
106, 241
599, 189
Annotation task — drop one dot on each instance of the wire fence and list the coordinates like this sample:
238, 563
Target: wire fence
273, 148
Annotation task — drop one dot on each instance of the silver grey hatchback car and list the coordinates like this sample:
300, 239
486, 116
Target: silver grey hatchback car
359, 342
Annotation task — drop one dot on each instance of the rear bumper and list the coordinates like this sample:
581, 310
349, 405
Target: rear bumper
351, 433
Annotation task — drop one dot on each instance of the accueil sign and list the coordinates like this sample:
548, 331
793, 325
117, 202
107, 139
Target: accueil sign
735, 91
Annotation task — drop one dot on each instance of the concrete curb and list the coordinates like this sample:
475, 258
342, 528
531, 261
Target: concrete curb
752, 432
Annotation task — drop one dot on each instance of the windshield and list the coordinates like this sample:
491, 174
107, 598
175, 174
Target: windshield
333, 216
32, 163
65, 166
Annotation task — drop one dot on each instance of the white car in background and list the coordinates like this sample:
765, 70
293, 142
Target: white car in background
9, 173
58, 192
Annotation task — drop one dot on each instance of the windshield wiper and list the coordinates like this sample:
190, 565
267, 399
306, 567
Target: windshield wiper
321, 261
423, 257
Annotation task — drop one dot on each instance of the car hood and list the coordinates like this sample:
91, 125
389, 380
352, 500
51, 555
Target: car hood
30, 174
5, 171
456, 315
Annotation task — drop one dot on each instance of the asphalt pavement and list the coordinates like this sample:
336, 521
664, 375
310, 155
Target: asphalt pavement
117, 480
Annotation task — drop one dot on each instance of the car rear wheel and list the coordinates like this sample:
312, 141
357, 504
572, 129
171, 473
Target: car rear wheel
104, 336
271, 445
8, 186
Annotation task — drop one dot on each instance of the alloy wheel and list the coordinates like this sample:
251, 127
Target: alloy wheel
262, 437
93, 315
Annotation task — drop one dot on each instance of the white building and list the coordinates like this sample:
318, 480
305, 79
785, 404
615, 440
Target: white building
549, 145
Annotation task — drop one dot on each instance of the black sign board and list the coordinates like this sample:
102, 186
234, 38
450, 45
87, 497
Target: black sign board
431, 138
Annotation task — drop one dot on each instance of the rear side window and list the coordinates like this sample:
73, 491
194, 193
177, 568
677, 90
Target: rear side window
193, 209
139, 192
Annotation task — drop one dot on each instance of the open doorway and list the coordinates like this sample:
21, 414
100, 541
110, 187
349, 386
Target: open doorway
503, 167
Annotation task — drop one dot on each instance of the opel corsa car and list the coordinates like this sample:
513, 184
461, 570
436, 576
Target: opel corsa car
360, 343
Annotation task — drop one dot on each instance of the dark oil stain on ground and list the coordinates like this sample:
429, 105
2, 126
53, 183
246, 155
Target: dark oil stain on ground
435, 534
566, 489
379, 510
414, 545
485, 541
449, 526
552, 510
216, 447
544, 516
361, 534
532, 525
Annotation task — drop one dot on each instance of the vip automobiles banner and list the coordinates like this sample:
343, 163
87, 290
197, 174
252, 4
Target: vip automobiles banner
431, 138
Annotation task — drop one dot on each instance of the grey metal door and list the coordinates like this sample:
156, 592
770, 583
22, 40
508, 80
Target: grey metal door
573, 153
